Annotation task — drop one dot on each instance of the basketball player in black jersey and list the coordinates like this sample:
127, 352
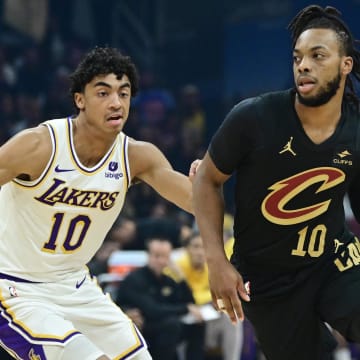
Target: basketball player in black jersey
295, 154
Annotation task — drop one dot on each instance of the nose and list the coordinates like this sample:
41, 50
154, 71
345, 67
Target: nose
115, 101
304, 65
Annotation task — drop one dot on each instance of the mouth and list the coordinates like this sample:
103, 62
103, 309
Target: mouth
305, 84
115, 119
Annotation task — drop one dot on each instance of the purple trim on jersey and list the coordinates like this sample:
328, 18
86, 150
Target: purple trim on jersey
98, 166
141, 346
12, 340
7, 319
126, 164
54, 139
16, 279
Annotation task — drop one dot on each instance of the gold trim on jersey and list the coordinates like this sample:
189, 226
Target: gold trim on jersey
138, 344
11, 318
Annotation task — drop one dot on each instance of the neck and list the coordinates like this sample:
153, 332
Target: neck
319, 123
320, 115
90, 144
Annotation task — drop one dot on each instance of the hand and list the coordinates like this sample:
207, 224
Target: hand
227, 287
193, 168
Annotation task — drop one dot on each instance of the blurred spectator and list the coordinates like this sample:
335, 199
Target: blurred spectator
29, 113
192, 120
162, 301
220, 333
7, 72
8, 115
58, 101
149, 227
99, 263
121, 233
32, 73
192, 114
155, 115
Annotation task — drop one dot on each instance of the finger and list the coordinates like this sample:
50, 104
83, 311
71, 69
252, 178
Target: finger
193, 167
214, 301
192, 171
230, 310
244, 291
238, 310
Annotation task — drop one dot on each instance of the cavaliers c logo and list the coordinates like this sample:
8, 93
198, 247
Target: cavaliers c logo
274, 205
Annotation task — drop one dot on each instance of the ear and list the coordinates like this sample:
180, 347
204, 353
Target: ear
347, 65
79, 100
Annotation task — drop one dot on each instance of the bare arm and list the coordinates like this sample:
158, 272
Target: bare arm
209, 206
225, 282
149, 164
26, 154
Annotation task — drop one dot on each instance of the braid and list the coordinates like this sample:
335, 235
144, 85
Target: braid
315, 16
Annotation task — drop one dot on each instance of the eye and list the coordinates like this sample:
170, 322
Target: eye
319, 56
102, 93
296, 59
124, 94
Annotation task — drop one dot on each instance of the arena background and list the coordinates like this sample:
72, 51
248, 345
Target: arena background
197, 58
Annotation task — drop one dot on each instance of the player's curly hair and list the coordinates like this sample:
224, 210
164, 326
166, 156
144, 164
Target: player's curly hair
103, 61
316, 17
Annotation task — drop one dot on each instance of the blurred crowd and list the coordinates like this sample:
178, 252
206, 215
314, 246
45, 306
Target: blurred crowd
34, 88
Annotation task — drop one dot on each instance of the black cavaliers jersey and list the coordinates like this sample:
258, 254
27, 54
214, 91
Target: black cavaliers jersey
289, 191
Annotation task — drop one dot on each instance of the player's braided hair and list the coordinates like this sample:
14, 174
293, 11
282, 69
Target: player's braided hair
103, 61
315, 16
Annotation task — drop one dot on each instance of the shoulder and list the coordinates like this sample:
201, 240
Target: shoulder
137, 147
144, 156
27, 153
135, 276
251, 108
276, 96
34, 139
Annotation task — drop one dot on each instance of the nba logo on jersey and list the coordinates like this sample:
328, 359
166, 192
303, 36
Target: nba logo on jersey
113, 166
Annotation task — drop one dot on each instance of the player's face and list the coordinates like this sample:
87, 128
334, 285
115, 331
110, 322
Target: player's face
317, 66
105, 102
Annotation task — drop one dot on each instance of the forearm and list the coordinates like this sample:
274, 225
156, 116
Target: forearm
179, 191
209, 213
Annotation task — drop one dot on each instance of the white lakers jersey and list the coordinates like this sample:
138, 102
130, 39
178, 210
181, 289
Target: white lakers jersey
55, 224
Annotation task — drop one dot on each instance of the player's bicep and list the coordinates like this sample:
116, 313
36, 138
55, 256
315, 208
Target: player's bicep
147, 162
162, 177
150, 165
209, 172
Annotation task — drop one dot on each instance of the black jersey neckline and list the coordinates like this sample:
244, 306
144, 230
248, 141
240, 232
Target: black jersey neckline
305, 138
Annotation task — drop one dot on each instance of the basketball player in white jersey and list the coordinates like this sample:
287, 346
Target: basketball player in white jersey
63, 185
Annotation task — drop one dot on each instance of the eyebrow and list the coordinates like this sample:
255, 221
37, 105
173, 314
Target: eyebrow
314, 48
105, 84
